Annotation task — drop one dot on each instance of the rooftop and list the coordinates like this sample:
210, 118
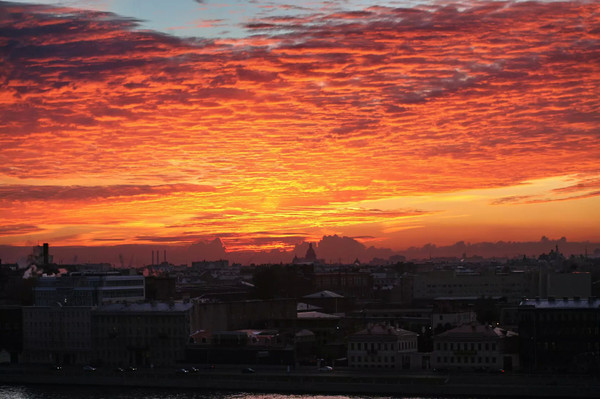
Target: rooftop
561, 303
379, 329
145, 307
473, 331
316, 315
324, 294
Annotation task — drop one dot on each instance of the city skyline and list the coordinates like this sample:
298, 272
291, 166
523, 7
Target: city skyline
398, 124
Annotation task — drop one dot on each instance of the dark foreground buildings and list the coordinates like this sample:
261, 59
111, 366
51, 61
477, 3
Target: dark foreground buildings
560, 334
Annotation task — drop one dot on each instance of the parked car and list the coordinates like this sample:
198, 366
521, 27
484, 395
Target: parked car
248, 370
182, 371
326, 369
89, 368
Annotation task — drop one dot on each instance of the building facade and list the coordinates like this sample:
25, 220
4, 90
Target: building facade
57, 334
474, 347
381, 346
141, 334
88, 289
560, 334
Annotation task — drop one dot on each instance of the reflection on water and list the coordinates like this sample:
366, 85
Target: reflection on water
70, 392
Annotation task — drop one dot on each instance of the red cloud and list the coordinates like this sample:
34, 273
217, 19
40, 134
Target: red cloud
318, 110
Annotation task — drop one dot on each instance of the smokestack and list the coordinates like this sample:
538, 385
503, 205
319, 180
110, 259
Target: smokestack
152, 257
46, 253
165, 256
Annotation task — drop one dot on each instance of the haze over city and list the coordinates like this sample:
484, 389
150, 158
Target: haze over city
270, 124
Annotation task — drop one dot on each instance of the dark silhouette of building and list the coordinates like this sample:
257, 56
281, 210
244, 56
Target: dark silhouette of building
11, 331
560, 334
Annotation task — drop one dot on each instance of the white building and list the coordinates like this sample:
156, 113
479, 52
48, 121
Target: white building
381, 346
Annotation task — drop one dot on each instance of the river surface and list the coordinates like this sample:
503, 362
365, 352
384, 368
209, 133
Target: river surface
70, 392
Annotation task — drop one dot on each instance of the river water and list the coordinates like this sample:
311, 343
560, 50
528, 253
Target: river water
71, 392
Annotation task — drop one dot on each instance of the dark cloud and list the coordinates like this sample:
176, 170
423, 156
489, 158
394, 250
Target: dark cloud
513, 199
17, 229
81, 193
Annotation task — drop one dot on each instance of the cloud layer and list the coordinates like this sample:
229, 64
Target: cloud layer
111, 132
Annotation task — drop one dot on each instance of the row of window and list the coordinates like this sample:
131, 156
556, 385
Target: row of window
465, 346
402, 345
466, 359
372, 359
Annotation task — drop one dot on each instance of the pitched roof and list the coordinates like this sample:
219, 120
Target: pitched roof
472, 331
324, 294
146, 307
316, 315
379, 329
561, 303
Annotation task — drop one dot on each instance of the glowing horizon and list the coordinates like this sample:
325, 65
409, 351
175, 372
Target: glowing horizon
397, 126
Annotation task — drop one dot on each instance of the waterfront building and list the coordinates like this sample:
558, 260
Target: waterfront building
560, 334
57, 334
381, 346
141, 334
11, 332
475, 347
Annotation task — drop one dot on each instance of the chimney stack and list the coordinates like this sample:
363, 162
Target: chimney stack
152, 257
46, 255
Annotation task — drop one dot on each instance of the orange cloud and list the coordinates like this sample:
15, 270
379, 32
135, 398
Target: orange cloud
288, 129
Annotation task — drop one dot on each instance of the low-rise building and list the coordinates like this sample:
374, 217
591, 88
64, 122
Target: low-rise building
141, 334
381, 346
57, 334
474, 347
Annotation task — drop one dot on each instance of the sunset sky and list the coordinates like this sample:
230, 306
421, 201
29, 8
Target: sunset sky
269, 123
